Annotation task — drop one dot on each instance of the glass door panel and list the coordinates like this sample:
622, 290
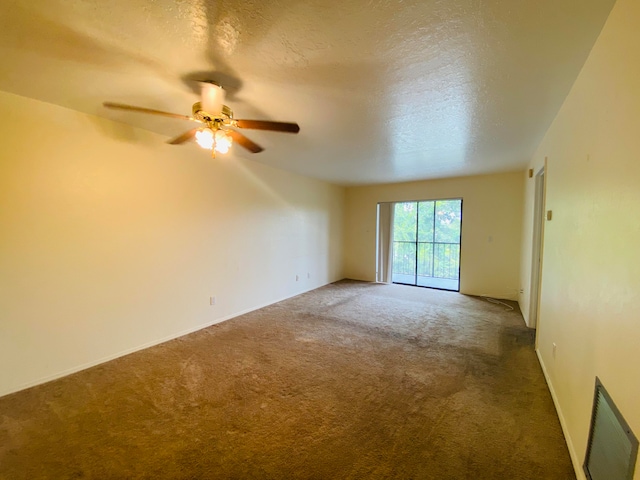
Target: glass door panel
404, 242
426, 243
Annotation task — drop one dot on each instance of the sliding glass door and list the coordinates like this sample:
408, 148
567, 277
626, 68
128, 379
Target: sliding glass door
426, 243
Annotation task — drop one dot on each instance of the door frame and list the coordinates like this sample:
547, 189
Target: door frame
537, 247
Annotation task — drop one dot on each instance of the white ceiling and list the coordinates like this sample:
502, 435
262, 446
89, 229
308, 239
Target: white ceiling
383, 90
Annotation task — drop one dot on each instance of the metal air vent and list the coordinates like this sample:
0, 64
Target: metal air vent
612, 448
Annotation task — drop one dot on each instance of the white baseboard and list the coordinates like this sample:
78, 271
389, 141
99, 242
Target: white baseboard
108, 358
575, 459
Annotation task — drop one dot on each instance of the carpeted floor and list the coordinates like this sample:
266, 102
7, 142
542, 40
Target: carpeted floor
350, 381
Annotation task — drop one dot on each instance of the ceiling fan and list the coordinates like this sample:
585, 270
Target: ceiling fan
217, 132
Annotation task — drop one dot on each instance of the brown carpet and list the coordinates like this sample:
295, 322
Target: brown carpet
350, 381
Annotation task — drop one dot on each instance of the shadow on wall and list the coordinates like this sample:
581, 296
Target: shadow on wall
120, 132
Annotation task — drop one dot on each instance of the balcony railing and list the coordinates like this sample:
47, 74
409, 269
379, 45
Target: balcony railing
433, 259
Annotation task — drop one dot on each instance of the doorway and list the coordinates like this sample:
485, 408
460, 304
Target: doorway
426, 243
536, 257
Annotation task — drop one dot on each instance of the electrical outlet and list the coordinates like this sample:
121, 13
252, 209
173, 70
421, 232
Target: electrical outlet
212, 300
297, 278
522, 290
553, 353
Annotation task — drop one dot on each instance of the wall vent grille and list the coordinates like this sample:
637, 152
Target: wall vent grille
612, 448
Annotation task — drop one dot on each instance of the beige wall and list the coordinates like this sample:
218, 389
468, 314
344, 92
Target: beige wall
590, 304
111, 240
491, 228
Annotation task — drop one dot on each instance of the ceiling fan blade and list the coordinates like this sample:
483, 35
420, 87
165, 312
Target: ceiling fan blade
131, 108
244, 141
184, 137
266, 125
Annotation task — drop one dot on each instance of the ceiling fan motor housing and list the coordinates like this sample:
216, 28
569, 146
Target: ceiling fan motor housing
199, 113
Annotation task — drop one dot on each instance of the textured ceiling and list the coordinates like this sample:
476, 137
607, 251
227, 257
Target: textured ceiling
383, 91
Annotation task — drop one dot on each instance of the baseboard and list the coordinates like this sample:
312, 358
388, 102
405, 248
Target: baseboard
108, 358
575, 460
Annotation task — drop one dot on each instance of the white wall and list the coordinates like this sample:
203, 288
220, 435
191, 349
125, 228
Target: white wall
491, 228
111, 240
590, 300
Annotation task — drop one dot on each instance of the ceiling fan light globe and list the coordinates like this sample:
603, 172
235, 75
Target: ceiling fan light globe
222, 141
205, 138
